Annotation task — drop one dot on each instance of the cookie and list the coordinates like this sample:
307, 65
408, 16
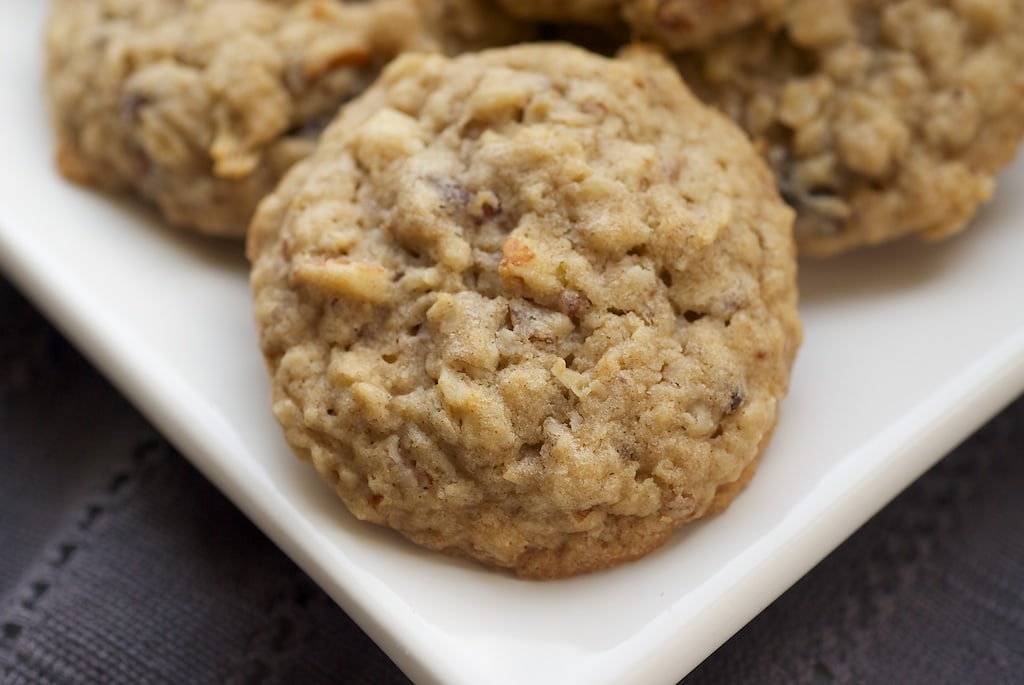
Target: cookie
199, 106
687, 24
881, 119
531, 306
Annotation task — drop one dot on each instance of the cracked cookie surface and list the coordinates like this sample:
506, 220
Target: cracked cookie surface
881, 119
530, 306
200, 106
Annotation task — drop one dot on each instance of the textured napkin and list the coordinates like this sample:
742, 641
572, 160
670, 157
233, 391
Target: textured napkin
120, 564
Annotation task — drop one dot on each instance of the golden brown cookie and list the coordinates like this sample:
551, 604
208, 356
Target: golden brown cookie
531, 306
881, 119
199, 106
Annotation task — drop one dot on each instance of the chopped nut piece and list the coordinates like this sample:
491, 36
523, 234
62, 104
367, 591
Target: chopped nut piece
341, 277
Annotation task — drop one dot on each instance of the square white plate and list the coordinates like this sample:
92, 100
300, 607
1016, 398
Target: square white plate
908, 349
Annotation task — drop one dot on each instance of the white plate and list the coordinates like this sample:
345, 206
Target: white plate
908, 349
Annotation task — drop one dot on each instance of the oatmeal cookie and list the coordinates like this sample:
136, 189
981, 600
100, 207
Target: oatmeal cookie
881, 119
199, 106
531, 306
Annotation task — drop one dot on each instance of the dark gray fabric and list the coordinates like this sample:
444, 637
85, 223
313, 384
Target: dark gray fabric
120, 564
931, 590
